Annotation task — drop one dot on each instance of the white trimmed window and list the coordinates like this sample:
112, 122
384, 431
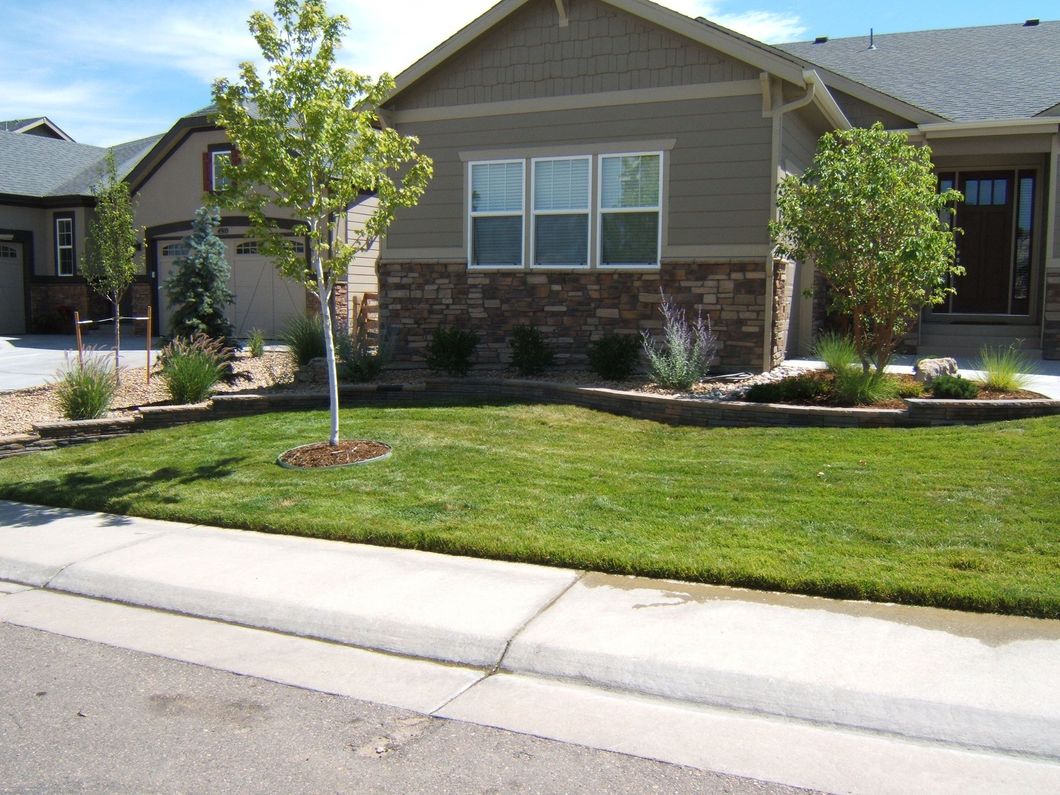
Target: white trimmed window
218, 160
248, 247
64, 246
8, 252
630, 212
560, 230
495, 217
174, 250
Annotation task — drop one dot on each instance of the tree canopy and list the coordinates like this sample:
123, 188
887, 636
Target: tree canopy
309, 139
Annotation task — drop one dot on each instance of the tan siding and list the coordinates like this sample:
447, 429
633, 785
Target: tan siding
362, 273
799, 142
719, 166
603, 49
862, 114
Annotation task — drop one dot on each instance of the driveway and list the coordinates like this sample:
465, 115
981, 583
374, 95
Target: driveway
33, 360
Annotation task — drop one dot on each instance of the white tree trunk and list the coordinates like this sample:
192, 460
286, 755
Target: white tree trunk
329, 350
117, 343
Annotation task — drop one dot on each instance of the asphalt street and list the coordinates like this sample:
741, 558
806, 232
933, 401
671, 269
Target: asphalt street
80, 716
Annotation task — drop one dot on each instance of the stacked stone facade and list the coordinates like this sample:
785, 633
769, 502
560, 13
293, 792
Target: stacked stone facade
571, 308
1051, 321
340, 305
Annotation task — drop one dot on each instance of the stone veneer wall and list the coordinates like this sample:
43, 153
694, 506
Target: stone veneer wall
1051, 321
53, 299
340, 301
571, 308
783, 275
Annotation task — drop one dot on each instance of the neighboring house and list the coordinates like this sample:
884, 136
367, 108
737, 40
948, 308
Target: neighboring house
589, 153
46, 202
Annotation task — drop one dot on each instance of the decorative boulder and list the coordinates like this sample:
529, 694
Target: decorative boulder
315, 372
927, 370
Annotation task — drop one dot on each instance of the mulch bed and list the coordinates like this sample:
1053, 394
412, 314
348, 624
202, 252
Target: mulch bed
322, 455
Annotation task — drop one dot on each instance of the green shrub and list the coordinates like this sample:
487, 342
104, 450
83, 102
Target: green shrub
256, 343
531, 353
687, 352
85, 391
304, 337
854, 387
450, 350
615, 356
359, 362
192, 367
1004, 369
837, 352
908, 388
802, 388
954, 387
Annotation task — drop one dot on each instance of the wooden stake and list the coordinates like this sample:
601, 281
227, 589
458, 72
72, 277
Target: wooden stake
77, 331
149, 344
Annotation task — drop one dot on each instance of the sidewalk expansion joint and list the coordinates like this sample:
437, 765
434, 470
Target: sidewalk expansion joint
522, 627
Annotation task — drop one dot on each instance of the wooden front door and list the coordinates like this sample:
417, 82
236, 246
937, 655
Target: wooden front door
985, 248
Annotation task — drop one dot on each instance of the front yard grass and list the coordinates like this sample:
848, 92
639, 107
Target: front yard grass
960, 517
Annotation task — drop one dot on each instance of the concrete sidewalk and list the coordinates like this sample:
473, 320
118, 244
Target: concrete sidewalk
506, 630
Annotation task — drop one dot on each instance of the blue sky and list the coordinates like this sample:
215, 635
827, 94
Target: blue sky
108, 71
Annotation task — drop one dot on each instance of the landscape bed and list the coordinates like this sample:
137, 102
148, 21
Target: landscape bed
960, 517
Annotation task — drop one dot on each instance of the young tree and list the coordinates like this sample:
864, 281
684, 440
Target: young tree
309, 139
869, 214
110, 265
198, 287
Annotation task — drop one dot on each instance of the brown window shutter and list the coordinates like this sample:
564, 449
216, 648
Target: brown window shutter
207, 168
236, 159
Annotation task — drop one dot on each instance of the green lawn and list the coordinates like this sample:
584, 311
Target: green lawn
961, 517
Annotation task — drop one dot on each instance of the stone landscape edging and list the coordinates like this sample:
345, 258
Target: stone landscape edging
918, 412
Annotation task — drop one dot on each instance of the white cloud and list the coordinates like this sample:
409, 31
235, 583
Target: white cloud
768, 26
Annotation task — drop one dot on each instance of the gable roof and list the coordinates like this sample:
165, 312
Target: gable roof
703, 31
39, 167
961, 74
33, 123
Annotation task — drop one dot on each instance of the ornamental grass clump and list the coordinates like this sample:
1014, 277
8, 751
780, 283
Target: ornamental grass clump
256, 343
684, 357
304, 337
359, 360
1004, 369
191, 367
85, 389
837, 352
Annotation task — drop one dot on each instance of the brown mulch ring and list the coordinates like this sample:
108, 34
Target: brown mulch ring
21, 409
322, 455
1022, 394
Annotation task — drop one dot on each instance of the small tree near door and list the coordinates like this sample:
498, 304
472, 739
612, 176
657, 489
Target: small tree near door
310, 140
869, 214
110, 265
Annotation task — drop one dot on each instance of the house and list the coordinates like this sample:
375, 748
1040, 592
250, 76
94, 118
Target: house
46, 203
590, 153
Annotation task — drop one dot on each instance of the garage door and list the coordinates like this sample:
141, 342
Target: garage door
12, 294
263, 298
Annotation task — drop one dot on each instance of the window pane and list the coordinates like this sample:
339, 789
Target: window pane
630, 238
1000, 191
497, 241
971, 191
496, 187
219, 159
64, 229
66, 262
561, 185
1021, 281
630, 181
561, 240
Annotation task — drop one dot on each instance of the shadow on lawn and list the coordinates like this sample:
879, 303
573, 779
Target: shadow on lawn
101, 492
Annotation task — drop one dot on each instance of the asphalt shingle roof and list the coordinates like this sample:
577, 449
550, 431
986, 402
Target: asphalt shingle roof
34, 166
15, 124
962, 74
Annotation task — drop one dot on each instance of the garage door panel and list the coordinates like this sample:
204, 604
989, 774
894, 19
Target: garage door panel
264, 299
12, 290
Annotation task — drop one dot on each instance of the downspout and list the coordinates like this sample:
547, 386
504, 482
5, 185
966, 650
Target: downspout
776, 113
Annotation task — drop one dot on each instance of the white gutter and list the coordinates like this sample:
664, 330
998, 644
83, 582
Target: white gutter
960, 129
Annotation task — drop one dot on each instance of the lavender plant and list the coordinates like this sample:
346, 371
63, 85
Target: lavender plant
687, 350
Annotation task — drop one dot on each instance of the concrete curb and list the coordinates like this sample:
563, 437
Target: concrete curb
938, 675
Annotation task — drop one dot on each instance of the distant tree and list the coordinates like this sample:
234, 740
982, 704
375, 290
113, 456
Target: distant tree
110, 264
310, 140
198, 287
869, 214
